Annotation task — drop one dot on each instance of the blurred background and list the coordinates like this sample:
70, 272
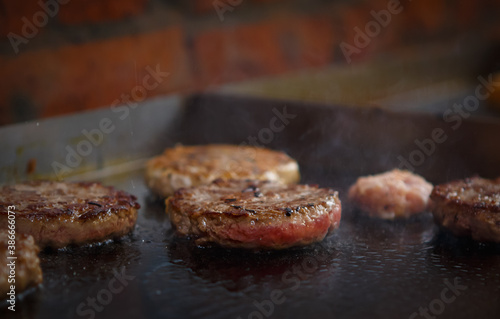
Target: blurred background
65, 56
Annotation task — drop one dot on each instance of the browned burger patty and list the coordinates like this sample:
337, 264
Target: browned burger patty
255, 214
24, 271
469, 207
185, 166
393, 194
57, 214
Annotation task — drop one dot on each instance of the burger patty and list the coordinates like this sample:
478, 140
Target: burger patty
469, 207
394, 194
26, 271
57, 214
185, 166
255, 214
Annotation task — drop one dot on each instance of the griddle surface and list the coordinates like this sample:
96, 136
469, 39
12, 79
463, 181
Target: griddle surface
368, 268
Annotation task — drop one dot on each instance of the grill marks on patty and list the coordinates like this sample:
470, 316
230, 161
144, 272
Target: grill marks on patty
58, 213
229, 213
472, 193
469, 207
45, 199
185, 166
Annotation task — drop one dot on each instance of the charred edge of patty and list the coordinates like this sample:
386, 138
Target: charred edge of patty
441, 193
206, 226
177, 200
463, 215
172, 162
480, 225
112, 203
209, 229
58, 233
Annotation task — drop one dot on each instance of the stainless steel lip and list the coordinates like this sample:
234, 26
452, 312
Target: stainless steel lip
141, 133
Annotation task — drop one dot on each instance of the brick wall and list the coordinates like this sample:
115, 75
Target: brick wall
63, 56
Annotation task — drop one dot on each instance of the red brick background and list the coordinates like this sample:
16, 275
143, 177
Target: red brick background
93, 51
95, 11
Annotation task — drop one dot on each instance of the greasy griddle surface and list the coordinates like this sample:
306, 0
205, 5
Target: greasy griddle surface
366, 269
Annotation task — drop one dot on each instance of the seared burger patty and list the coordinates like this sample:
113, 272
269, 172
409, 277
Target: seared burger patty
255, 214
57, 214
27, 265
185, 166
394, 194
469, 207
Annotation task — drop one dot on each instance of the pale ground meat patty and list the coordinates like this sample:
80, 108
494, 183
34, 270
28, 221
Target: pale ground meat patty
394, 194
185, 166
27, 265
469, 207
57, 214
255, 214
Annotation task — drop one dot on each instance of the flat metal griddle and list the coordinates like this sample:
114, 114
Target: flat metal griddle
367, 269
